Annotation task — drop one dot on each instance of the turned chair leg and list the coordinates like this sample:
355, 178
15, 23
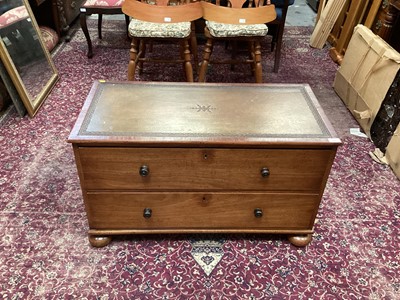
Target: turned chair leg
193, 48
206, 59
82, 18
187, 61
257, 62
141, 44
251, 50
133, 58
182, 55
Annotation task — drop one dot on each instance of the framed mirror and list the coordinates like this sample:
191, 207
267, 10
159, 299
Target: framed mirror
24, 54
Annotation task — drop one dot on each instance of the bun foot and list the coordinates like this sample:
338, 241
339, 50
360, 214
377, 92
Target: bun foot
300, 240
99, 241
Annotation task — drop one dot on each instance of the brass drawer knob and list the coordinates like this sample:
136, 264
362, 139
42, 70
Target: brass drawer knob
147, 213
144, 171
265, 172
258, 213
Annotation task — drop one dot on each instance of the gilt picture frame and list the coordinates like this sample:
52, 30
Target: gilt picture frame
25, 56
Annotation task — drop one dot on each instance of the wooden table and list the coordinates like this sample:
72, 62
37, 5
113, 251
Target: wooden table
202, 158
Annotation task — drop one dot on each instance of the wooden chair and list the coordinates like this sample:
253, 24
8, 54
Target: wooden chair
100, 7
235, 23
277, 27
165, 21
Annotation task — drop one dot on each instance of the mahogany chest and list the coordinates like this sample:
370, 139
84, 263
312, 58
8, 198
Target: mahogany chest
202, 158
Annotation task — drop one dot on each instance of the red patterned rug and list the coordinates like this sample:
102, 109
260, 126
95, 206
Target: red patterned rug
45, 254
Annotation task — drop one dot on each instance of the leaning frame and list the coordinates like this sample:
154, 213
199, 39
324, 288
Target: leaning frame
32, 105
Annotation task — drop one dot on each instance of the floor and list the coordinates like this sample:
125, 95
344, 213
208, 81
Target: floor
300, 14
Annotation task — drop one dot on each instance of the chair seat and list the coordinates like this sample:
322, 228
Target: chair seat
13, 15
103, 3
235, 30
99, 7
142, 29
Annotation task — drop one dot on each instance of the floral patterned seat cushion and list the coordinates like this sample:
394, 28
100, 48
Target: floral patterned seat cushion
103, 3
138, 28
234, 30
13, 15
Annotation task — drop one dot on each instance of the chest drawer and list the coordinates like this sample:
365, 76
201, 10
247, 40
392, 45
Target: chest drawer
201, 211
198, 169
